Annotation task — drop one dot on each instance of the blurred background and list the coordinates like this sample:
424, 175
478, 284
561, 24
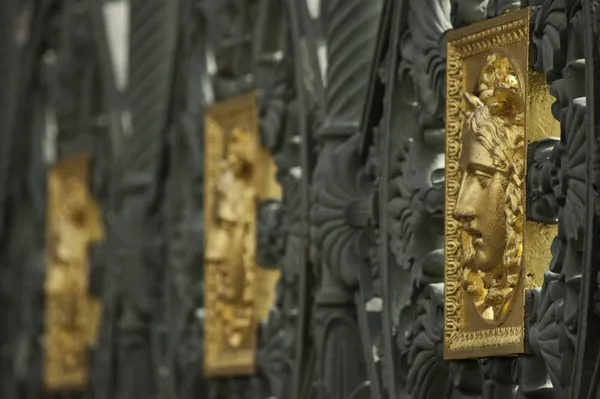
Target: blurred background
102, 129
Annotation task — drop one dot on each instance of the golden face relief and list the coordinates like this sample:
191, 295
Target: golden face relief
74, 223
496, 105
489, 202
483, 188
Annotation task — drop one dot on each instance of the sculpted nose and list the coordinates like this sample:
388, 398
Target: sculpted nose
464, 210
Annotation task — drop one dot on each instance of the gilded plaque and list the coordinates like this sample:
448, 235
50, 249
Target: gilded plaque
73, 224
496, 106
238, 173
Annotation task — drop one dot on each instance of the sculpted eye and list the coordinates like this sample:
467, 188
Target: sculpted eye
483, 178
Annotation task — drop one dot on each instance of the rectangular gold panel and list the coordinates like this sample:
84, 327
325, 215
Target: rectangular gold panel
496, 105
74, 223
238, 173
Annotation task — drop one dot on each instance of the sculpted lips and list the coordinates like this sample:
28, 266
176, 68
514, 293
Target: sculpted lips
475, 235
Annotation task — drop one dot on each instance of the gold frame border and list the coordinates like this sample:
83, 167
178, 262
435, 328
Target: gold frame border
515, 30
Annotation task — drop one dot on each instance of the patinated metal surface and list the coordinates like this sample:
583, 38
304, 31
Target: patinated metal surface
236, 291
496, 105
352, 100
74, 224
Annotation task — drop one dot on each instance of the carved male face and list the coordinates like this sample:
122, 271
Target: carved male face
480, 205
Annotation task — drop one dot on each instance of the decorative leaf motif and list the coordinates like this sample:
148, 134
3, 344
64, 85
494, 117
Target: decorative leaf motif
423, 371
340, 191
554, 323
423, 49
351, 37
547, 35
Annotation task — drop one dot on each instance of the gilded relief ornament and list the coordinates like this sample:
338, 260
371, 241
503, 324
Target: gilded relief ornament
230, 244
234, 181
489, 204
73, 224
496, 106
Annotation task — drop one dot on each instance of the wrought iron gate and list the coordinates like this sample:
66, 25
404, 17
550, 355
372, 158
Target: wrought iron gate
360, 108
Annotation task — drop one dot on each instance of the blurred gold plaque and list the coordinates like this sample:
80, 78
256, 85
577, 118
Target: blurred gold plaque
496, 106
237, 174
73, 224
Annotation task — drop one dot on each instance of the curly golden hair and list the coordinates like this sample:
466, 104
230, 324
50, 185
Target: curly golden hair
496, 122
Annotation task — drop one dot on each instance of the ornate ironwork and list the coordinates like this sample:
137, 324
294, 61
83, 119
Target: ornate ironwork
351, 108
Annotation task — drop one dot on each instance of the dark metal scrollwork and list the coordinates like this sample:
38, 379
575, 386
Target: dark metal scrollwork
352, 110
542, 205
